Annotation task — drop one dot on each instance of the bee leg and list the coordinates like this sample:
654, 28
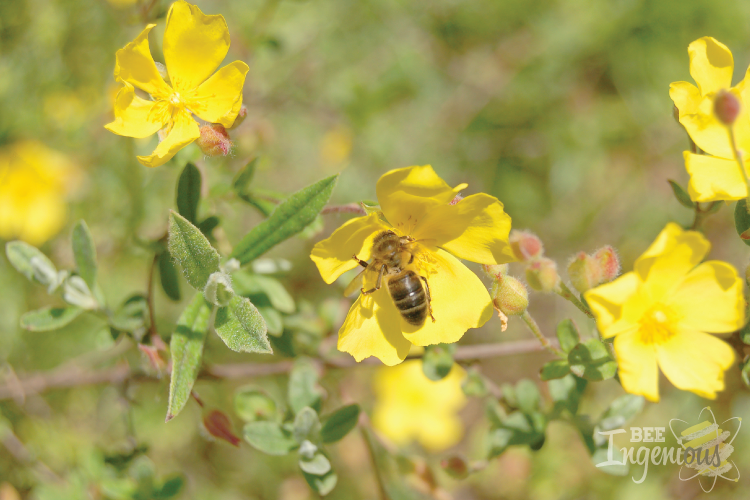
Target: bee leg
429, 298
379, 282
360, 261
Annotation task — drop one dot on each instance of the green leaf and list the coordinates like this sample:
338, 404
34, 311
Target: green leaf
191, 249
84, 252
132, 315
517, 429
306, 425
474, 384
244, 177
317, 466
27, 259
742, 219
189, 193
567, 335
438, 361
170, 488
186, 347
207, 225
241, 327
591, 360
322, 485
566, 394
621, 411
302, 386
273, 319
168, 277
601, 456
527, 395
49, 318
269, 437
554, 369
248, 284
289, 218
745, 372
251, 405
681, 195
339, 423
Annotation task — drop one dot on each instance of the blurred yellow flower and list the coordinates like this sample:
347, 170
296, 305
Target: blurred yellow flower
409, 406
194, 46
659, 312
336, 146
417, 205
715, 176
34, 182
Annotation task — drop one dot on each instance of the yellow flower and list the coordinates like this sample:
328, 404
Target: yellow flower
659, 312
409, 406
715, 176
34, 182
417, 203
194, 46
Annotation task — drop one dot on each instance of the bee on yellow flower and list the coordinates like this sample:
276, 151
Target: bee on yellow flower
194, 46
421, 218
660, 312
715, 175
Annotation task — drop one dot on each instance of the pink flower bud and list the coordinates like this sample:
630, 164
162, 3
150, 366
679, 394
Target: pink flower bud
455, 466
526, 245
509, 295
584, 271
214, 140
495, 271
240, 117
609, 263
542, 276
726, 107
218, 425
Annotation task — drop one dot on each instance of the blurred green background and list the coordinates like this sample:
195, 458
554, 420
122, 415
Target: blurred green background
558, 108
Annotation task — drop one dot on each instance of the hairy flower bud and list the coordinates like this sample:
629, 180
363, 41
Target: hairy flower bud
218, 290
509, 295
495, 271
584, 271
542, 276
609, 263
526, 245
455, 466
219, 426
726, 107
214, 140
240, 117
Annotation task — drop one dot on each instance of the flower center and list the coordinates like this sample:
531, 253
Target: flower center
175, 99
657, 325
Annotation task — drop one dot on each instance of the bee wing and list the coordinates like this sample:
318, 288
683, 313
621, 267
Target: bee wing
356, 284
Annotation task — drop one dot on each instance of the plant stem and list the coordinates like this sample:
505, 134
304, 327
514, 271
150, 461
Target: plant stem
526, 317
565, 292
738, 156
383, 494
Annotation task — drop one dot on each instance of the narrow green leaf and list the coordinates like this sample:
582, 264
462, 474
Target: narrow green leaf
187, 353
245, 176
567, 334
251, 404
317, 466
170, 282
289, 218
207, 225
322, 485
302, 386
438, 361
269, 437
592, 361
192, 251
84, 252
189, 193
745, 373
554, 369
21, 254
306, 425
49, 318
241, 327
742, 219
339, 423
248, 284
681, 195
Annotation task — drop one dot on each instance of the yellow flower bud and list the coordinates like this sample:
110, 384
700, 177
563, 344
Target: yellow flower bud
541, 275
510, 295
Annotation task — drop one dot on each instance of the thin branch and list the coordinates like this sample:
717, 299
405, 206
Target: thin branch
544, 341
75, 376
350, 208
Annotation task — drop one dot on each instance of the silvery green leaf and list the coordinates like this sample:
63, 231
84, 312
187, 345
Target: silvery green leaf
32, 263
307, 450
218, 290
318, 465
49, 318
306, 425
241, 327
190, 248
77, 293
84, 253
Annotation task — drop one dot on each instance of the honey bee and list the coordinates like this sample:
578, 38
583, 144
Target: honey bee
391, 254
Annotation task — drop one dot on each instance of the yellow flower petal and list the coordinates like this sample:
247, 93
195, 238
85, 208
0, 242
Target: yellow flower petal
184, 131
711, 64
459, 301
637, 365
406, 195
669, 258
713, 178
219, 98
333, 256
695, 361
710, 299
372, 328
134, 117
608, 303
135, 65
475, 229
194, 45
706, 130
685, 96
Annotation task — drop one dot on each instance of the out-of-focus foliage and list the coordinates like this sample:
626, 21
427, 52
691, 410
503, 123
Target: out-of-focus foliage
559, 109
